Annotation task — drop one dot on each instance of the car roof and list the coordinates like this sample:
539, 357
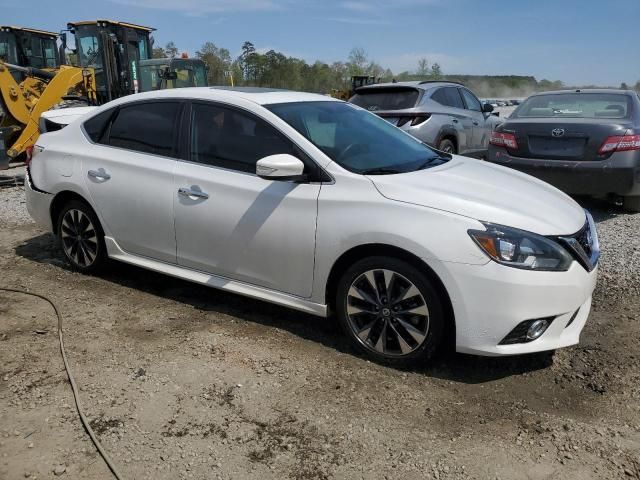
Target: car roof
257, 95
585, 90
423, 84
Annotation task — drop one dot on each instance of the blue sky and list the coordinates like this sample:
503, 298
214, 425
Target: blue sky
578, 42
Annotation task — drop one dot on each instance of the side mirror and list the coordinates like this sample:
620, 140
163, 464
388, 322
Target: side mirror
487, 108
283, 167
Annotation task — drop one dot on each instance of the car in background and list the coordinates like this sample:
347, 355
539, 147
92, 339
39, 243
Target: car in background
444, 115
585, 142
318, 205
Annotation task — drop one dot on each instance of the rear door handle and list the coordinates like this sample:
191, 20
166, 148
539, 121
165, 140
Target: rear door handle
476, 123
99, 174
187, 192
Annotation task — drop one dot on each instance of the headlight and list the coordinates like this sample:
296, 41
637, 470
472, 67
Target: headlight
521, 249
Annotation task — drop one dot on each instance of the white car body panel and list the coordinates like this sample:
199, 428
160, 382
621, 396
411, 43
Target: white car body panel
64, 116
278, 241
254, 230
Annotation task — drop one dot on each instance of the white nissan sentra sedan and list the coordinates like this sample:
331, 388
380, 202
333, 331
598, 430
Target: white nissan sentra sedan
318, 205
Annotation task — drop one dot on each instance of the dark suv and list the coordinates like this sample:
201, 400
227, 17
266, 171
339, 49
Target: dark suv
582, 141
445, 115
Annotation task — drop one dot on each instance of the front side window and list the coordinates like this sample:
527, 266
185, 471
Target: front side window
146, 127
228, 138
8, 51
49, 48
470, 99
355, 139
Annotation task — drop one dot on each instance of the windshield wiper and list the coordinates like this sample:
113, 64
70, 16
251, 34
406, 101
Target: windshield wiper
380, 171
432, 160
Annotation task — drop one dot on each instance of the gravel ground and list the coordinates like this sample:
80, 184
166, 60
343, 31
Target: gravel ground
181, 381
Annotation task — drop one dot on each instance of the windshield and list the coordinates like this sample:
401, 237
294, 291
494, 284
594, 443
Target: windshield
395, 98
8, 48
357, 140
576, 105
88, 45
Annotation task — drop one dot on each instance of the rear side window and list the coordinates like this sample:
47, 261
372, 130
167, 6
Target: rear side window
448, 96
395, 98
96, 126
146, 127
470, 99
228, 138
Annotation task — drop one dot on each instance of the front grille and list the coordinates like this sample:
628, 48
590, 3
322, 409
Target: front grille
583, 245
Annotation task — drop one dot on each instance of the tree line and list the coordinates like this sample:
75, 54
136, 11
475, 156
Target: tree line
276, 70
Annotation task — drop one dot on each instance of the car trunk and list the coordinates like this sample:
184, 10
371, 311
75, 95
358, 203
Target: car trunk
576, 139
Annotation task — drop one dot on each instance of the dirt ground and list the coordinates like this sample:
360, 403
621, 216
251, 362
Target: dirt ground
181, 381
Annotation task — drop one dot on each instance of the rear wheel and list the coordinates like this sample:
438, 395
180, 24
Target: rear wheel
390, 310
632, 204
447, 146
81, 237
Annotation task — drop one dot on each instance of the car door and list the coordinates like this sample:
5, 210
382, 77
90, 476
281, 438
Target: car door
129, 175
232, 223
481, 130
460, 120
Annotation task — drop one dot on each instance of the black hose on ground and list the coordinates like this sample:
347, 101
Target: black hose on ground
72, 382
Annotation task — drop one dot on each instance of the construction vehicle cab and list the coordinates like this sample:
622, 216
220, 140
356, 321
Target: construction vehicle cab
113, 50
162, 73
28, 47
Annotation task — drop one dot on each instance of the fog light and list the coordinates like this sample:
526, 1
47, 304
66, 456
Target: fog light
536, 329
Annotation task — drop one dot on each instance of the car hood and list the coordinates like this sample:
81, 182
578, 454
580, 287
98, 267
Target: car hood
486, 192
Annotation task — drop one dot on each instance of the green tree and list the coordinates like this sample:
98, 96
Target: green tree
624, 86
358, 61
423, 67
158, 52
218, 61
436, 71
171, 50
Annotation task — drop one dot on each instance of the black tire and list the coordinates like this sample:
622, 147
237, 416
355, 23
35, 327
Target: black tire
393, 347
446, 145
81, 237
632, 204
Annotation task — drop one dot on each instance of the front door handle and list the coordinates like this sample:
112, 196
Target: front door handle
187, 192
454, 120
99, 174
476, 123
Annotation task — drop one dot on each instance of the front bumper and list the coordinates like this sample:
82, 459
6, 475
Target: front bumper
490, 300
38, 203
619, 174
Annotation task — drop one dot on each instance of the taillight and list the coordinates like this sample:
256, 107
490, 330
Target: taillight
620, 143
29, 155
500, 139
31, 152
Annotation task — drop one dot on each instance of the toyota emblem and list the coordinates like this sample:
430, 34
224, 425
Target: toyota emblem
557, 132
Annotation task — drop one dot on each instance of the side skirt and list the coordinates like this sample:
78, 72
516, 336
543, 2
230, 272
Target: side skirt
222, 283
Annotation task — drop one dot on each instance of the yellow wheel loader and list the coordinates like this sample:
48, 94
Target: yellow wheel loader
109, 58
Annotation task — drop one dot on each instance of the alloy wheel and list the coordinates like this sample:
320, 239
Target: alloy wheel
79, 238
387, 313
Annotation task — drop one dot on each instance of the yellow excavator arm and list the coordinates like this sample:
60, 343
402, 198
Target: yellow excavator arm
39, 92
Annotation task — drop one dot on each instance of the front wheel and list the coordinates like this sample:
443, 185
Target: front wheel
390, 310
81, 237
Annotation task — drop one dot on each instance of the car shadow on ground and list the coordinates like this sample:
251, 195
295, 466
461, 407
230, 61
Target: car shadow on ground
448, 365
11, 181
